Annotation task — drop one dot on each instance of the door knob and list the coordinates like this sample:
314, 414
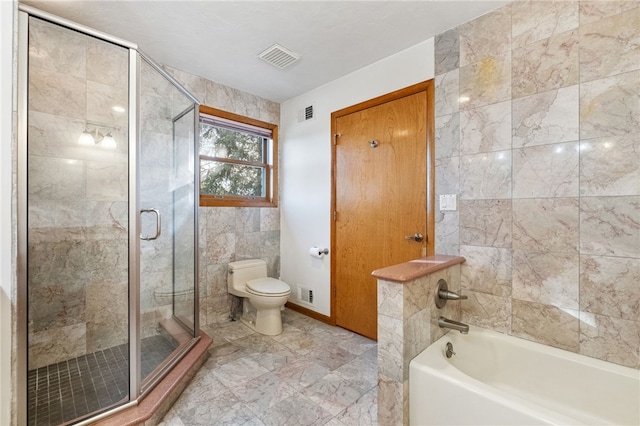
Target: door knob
415, 237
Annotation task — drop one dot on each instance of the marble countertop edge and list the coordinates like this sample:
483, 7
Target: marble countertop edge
413, 269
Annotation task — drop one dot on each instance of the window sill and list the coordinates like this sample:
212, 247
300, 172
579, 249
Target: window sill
208, 201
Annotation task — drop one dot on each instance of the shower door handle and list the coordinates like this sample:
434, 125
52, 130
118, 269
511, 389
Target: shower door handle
158, 224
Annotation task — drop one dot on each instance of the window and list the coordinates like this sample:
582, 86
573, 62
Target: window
238, 158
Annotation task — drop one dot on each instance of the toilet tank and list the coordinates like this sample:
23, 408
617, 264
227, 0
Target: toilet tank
244, 270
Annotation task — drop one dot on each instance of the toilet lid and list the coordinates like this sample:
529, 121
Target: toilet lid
270, 286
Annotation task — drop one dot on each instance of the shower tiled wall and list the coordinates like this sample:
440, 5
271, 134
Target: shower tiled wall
537, 131
228, 234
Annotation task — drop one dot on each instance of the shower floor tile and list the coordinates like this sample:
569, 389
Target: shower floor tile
59, 393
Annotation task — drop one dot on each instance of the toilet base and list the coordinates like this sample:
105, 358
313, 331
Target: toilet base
267, 328
267, 321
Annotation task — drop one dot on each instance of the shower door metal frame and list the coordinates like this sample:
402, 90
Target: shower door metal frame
136, 391
194, 108
22, 344
135, 225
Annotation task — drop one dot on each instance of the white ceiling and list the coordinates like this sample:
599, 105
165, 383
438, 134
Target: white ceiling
220, 40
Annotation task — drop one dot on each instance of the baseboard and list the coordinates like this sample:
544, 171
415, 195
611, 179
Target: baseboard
308, 312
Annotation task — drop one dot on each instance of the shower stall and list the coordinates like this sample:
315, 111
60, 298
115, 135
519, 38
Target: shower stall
107, 220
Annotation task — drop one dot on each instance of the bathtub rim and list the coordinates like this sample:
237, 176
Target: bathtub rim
443, 370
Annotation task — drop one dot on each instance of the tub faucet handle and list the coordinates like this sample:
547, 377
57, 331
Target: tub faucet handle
450, 295
443, 294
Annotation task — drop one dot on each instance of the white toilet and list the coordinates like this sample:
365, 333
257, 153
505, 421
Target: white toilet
248, 279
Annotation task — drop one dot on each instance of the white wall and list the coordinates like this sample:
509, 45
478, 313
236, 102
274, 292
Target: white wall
305, 164
6, 119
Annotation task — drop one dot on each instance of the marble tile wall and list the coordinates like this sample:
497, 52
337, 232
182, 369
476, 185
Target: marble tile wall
228, 234
537, 123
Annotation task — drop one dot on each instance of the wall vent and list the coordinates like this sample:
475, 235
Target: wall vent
305, 114
306, 295
278, 56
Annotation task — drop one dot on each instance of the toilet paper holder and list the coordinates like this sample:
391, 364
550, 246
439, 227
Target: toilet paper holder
318, 252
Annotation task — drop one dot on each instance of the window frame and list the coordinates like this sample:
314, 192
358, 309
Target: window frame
271, 169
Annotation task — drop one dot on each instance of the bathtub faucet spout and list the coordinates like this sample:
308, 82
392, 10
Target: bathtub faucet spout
454, 325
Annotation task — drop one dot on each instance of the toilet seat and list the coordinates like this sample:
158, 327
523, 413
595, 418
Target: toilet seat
268, 287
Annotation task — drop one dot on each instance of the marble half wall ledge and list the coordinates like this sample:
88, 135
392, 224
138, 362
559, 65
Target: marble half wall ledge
407, 324
414, 269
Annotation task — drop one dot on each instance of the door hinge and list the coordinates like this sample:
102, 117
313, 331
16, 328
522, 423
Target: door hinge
335, 138
335, 215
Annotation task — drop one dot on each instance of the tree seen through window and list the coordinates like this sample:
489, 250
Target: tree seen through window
242, 178
236, 160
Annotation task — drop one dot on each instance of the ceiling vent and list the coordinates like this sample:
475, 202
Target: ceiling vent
305, 114
279, 56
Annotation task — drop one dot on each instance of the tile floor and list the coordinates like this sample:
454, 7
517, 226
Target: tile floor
311, 374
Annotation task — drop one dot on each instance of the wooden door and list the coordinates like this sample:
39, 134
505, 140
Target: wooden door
380, 199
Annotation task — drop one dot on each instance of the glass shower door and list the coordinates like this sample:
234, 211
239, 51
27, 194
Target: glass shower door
167, 221
76, 156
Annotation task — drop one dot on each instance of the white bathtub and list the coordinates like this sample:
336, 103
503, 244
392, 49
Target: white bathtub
495, 379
